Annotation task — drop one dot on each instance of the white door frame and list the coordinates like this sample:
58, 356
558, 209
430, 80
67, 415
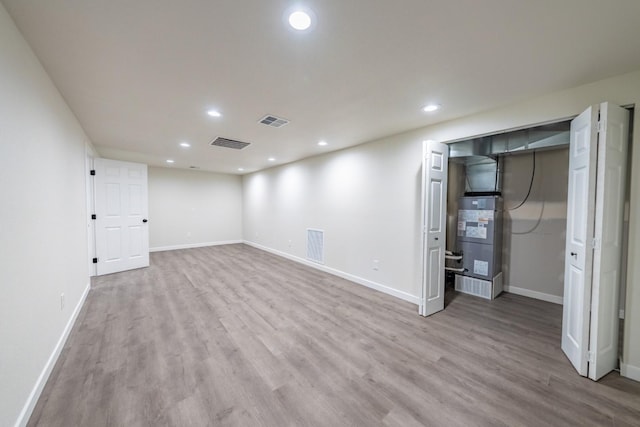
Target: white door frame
90, 195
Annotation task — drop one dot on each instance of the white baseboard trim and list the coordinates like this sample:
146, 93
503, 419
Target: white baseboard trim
356, 279
534, 294
29, 406
630, 371
193, 245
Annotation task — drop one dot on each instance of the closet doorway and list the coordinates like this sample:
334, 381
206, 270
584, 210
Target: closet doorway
593, 255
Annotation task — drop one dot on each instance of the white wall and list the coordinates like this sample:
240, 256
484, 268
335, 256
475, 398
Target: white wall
43, 243
367, 201
534, 234
367, 197
193, 208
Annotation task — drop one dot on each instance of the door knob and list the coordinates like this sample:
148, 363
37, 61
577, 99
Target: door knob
145, 220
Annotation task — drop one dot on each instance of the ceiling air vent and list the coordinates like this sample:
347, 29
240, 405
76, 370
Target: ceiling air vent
229, 143
273, 121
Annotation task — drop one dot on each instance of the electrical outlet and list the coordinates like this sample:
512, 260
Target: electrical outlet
376, 264
188, 234
62, 301
290, 243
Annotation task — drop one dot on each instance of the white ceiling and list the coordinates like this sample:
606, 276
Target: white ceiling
140, 75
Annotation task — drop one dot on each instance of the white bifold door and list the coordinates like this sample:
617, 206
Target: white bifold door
122, 234
435, 163
597, 171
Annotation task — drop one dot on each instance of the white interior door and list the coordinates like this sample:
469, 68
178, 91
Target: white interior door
610, 191
122, 234
594, 224
580, 226
434, 171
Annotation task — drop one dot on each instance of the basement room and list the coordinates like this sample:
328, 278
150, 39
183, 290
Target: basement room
306, 213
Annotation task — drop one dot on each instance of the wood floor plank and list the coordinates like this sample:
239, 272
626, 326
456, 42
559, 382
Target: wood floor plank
234, 336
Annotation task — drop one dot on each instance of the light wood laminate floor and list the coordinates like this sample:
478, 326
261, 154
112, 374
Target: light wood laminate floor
234, 336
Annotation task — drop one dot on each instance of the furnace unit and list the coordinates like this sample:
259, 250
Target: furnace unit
480, 242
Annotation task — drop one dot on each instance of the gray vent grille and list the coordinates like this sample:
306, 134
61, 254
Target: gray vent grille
473, 286
315, 245
229, 143
273, 121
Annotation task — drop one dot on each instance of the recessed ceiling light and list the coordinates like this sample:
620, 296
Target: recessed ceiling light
185, 144
214, 113
170, 161
430, 108
272, 159
323, 143
240, 169
300, 20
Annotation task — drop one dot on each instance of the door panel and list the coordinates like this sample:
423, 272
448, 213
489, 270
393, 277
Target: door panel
135, 200
574, 316
114, 244
122, 238
135, 241
610, 190
435, 218
580, 226
579, 192
113, 206
433, 270
435, 165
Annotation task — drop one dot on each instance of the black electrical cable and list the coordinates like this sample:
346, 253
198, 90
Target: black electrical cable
495, 186
533, 174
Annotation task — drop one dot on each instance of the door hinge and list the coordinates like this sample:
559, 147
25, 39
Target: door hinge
602, 126
92, 172
94, 216
591, 357
95, 260
595, 243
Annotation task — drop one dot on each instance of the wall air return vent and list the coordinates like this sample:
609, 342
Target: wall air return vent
229, 143
315, 245
273, 121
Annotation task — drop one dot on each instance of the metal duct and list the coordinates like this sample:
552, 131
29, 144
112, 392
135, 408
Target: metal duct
481, 175
546, 136
481, 156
